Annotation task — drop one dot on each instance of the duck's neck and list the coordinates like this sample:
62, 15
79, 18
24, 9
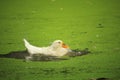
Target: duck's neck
55, 47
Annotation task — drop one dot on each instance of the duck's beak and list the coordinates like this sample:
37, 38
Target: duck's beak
64, 45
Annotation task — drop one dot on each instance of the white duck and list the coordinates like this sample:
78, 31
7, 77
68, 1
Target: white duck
57, 48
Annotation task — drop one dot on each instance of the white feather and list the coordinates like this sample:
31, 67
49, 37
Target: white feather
55, 49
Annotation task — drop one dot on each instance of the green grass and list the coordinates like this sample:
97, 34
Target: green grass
92, 24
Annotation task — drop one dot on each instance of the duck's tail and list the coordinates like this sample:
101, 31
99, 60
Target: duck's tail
27, 44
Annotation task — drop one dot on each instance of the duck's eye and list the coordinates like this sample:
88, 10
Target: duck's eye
59, 42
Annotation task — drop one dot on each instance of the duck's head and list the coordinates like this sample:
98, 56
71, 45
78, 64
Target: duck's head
59, 44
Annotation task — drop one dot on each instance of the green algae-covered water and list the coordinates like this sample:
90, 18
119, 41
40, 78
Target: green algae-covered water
93, 24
